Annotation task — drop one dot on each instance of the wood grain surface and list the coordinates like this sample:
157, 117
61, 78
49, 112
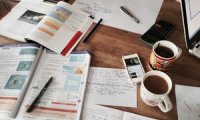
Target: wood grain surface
109, 44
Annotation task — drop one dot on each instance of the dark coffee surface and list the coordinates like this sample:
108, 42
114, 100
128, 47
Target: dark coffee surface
164, 52
156, 85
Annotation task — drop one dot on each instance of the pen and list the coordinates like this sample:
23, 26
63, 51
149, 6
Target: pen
37, 99
92, 31
125, 10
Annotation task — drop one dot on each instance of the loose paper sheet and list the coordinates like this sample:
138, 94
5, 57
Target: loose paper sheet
95, 112
109, 86
188, 102
145, 10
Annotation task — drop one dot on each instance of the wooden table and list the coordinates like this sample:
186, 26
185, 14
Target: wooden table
109, 44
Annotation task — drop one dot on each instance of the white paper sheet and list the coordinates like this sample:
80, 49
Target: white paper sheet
95, 112
188, 102
109, 86
145, 10
132, 116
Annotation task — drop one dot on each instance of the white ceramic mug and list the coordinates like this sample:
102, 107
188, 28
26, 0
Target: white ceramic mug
154, 91
163, 63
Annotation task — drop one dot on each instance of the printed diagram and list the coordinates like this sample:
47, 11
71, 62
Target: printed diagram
93, 8
31, 17
193, 110
15, 82
194, 8
24, 65
28, 51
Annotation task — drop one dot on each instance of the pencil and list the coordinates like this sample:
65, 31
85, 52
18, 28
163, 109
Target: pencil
92, 31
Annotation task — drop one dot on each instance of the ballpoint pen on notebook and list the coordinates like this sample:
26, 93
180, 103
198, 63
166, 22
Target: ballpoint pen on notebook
37, 99
128, 12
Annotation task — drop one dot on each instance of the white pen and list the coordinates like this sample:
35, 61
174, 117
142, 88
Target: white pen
125, 10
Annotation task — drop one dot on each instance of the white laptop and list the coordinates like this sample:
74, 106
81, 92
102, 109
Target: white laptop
191, 24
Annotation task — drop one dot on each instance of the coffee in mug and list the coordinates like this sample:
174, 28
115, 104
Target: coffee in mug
156, 84
155, 87
163, 55
164, 52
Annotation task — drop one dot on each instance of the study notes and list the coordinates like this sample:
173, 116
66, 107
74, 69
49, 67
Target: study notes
58, 27
109, 86
28, 70
145, 10
95, 112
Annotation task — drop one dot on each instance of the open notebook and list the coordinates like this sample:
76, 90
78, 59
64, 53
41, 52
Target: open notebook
26, 70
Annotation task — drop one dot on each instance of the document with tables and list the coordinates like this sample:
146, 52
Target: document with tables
146, 11
58, 27
26, 72
109, 86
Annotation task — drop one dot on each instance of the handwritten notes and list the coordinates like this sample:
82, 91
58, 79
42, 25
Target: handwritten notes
188, 102
145, 10
95, 112
109, 86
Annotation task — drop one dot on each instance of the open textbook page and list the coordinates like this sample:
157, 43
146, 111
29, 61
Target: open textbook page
16, 65
107, 86
61, 29
64, 97
22, 18
95, 112
188, 102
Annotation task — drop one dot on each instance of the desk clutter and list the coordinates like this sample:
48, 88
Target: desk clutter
53, 82
77, 90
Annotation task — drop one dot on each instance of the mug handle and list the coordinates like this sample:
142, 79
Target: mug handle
165, 105
179, 53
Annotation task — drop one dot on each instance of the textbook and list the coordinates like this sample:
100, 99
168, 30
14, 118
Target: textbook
59, 27
24, 71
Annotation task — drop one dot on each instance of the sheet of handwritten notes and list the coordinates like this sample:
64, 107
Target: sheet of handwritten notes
145, 10
188, 102
96, 112
107, 86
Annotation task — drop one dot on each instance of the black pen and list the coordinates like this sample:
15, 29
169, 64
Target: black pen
125, 10
95, 27
37, 99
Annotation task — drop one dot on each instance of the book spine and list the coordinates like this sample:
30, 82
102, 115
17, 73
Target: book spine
71, 42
